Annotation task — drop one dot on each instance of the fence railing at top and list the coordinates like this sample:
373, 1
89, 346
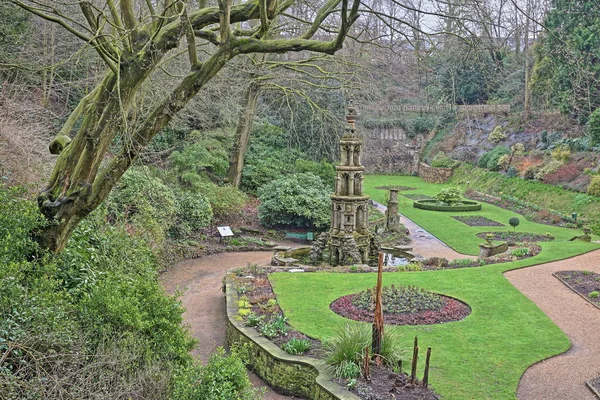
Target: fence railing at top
479, 108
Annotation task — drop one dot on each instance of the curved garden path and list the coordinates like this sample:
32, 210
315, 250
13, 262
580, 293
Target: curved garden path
423, 242
562, 377
201, 280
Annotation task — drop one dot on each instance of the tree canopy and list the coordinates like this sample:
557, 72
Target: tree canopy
567, 70
139, 40
134, 40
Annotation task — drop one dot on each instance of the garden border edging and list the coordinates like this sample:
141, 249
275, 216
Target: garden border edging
295, 375
575, 291
592, 388
432, 205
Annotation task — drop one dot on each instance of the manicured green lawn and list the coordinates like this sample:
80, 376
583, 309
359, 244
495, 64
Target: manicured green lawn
444, 227
481, 357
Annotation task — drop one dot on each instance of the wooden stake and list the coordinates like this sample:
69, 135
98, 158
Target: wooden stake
377, 336
366, 364
400, 366
413, 371
426, 374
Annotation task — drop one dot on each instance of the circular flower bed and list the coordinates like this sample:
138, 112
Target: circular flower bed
402, 305
435, 205
509, 236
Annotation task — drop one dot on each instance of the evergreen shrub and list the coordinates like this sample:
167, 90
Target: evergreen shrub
561, 153
145, 201
223, 378
269, 156
497, 135
441, 160
491, 159
299, 200
448, 195
594, 186
206, 155
193, 211
65, 315
323, 169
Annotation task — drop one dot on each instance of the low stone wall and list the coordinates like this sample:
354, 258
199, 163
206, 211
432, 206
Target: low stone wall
291, 375
287, 256
434, 175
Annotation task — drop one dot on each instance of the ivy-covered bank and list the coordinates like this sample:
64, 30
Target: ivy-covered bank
94, 322
539, 194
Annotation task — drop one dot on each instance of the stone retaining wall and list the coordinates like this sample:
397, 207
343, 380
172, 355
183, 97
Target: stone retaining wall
292, 375
434, 175
390, 151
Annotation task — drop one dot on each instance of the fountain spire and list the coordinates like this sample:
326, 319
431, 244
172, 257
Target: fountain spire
349, 234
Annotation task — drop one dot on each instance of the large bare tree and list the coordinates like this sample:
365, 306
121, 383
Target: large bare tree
134, 38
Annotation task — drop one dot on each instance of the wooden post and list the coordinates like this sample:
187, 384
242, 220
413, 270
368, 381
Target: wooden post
377, 335
413, 371
426, 374
367, 363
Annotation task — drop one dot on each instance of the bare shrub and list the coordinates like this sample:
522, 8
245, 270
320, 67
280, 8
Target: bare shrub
25, 132
114, 371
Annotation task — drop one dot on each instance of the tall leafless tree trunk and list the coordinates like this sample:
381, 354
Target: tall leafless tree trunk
517, 33
527, 101
242, 134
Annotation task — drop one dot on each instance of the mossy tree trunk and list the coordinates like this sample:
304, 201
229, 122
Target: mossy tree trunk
242, 134
133, 39
78, 183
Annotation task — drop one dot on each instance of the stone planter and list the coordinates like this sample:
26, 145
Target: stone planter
490, 249
292, 375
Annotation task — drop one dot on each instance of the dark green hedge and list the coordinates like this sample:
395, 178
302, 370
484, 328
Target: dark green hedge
434, 206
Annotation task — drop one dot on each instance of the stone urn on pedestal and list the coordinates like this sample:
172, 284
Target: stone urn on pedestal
391, 214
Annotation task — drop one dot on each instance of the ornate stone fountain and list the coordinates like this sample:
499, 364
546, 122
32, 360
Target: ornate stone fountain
349, 238
349, 241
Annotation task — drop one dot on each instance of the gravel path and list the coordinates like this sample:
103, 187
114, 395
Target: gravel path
423, 242
204, 301
562, 377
